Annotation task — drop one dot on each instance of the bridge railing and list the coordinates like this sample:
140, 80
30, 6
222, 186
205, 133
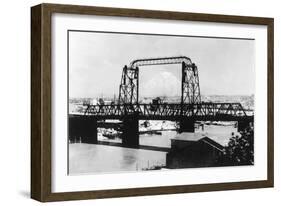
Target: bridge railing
168, 110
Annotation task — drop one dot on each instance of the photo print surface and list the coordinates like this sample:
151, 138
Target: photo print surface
142, 102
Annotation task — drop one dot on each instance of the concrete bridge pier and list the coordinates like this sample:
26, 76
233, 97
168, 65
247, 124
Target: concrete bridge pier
84, 128
90, 134
187, 125
74, 131
130, 132
242, 125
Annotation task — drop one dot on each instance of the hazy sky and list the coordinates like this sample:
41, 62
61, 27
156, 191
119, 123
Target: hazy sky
96, 60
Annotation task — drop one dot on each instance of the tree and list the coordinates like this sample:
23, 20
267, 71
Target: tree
240, 149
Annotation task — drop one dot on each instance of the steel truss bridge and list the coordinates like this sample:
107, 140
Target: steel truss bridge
190, 106
130, 110
198, 112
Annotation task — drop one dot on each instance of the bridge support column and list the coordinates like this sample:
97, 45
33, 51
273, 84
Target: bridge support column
90, 133
242, 125
73, 129
130, 132
84, 129
187, 125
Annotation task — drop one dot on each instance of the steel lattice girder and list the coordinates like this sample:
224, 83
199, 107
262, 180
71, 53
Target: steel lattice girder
128, 90
190, 84
203, 111
160, 61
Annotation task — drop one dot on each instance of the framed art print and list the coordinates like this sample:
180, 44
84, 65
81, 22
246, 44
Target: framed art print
130, 102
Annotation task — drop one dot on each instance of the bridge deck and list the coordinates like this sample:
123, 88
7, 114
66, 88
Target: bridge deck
165, 111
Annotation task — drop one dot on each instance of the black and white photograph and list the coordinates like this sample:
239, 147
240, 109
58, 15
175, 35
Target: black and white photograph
140, 102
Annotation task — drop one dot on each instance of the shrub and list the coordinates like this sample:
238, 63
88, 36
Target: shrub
240, 149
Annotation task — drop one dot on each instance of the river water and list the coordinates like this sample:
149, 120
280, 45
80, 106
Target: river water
92, 158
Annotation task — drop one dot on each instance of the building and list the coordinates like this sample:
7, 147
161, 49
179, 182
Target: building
189, 150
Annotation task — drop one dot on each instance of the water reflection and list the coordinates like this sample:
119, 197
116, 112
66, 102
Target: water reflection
91, 158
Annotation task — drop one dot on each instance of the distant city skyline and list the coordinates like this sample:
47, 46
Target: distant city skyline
144, 97
96, 60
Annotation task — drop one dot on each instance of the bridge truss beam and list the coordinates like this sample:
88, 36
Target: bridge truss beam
200, 112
